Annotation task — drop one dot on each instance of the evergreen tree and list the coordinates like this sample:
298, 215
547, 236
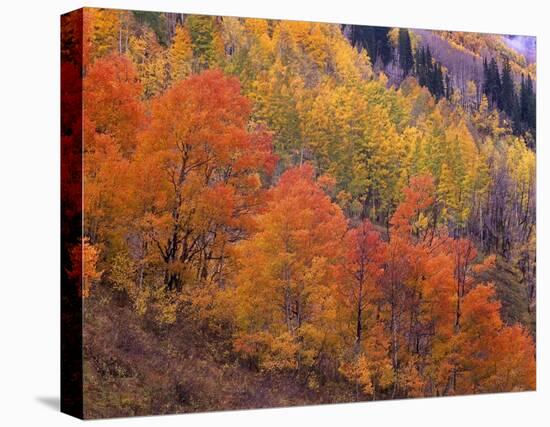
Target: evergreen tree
419, 62
531, 113
156, 21
406, 60
486, 79
429, 69
494, 84
523, 100
527, 105
507, 89
202, 30
439, 90
430, 74
448, 87
517, 124
375, 40
429, 61
383, 46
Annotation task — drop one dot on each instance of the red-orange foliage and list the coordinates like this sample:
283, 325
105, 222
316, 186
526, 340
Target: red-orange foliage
196, 175
418, 196
493, 357
84, 259
446, 333
285, 310
112, 104
112, 117
360, 271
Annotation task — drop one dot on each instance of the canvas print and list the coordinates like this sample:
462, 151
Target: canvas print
261, 213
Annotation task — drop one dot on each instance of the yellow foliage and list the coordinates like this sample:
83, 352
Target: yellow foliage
103, 31
84, 260
180, 54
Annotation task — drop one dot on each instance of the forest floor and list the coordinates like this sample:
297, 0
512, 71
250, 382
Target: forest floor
132, 367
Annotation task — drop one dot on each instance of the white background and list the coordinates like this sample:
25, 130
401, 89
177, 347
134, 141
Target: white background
29, 210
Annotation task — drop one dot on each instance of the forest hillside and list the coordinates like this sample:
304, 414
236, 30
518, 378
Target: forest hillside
283, 212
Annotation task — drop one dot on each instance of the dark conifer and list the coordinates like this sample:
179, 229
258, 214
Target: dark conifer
507, 89
448, 87
531, 114
375, 40
494, 84
406, 60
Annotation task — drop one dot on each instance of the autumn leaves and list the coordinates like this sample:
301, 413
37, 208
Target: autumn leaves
403, 317
177, 201
190, 214
179, 194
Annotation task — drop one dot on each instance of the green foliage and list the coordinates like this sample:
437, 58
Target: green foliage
156, 21
510, 290
203, 35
